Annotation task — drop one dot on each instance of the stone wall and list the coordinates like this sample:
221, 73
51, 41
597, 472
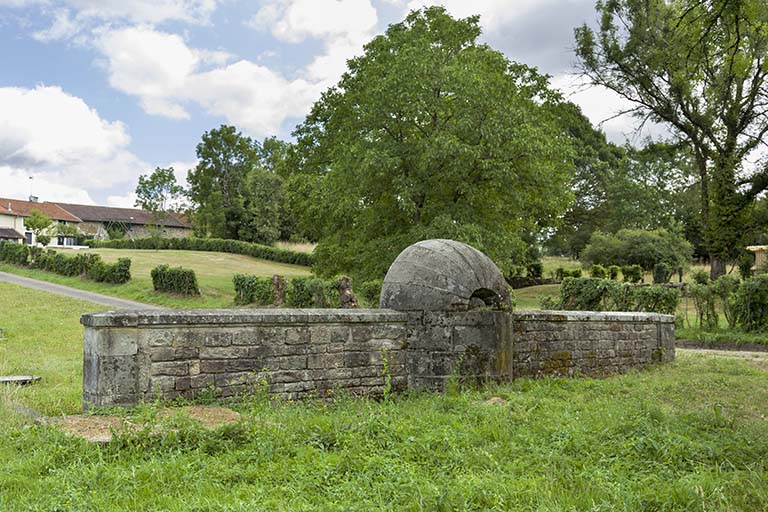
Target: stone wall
134, 356
130, 357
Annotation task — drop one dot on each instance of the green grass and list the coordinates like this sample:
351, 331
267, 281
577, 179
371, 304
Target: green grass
214, 274
43, 336
691, 435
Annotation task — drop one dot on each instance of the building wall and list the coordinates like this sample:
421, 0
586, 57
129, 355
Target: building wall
98, 231
135, 356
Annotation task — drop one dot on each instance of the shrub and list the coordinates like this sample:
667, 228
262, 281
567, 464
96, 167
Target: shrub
725, 288
590, 294
309, 292
85, 265
598, 271
639, 247
535, 269
175, 280
661, 273
213, 245
253, 289
705, 302
613, 272
746, 260
370, 291
751, 304
700, 277
632, 273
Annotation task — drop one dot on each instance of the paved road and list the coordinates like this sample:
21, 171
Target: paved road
74, 293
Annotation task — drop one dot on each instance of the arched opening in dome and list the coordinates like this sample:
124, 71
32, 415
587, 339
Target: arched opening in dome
484, 297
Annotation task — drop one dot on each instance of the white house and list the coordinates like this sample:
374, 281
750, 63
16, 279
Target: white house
13, 212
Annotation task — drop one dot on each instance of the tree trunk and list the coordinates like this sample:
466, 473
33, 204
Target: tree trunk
717, 267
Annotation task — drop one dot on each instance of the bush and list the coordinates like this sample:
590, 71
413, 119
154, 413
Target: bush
746, 260
15, 254
370, 292
313, 292
563, 273
613, 272
639, 247
661, 273
212, 245
589, 294
632, 273
535, 269
89, 266
174, 280
598, 271
751, 304
700, 277
253, 290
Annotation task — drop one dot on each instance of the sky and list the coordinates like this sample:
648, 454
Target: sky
94, 93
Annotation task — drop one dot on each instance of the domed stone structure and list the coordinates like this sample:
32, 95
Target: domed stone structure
443, 275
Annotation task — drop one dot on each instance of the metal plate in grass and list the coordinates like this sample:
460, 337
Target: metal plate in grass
21, 380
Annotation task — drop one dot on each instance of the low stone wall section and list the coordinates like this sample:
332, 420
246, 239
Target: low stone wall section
135, 356
130, 357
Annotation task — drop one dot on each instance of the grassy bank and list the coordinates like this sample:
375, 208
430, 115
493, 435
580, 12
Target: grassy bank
214, 273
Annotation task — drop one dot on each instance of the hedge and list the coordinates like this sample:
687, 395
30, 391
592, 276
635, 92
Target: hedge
370, 291
86, 265
212, 245
253, 290
174, 280
302, 292
589, 294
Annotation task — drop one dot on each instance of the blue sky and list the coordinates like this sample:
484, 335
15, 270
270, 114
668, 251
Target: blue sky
94, 93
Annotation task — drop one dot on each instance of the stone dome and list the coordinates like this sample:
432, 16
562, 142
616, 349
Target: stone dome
443, 275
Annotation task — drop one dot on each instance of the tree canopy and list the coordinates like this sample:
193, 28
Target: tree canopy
159, 191
699, 67
428, 134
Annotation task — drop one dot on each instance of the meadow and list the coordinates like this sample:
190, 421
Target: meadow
691, 435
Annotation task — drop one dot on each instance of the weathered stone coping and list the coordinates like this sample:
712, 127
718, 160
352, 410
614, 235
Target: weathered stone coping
591, 316
128, 318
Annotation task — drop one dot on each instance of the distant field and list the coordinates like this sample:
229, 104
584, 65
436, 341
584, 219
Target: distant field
296, 246
214, 274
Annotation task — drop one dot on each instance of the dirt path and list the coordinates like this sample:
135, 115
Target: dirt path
731, 354
74, 293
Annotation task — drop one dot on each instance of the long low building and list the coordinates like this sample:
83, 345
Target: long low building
99, 222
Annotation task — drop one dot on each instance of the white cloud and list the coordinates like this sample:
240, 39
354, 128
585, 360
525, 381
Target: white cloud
494, 14
602, 105
166, 74
63, 27
146, 11
344, 26
63, 143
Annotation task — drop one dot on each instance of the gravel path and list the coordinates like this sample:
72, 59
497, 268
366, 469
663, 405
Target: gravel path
732, 354
74, 293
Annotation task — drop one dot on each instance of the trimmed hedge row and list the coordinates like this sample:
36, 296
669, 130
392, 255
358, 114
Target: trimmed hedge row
589, 294
90, 266
302, 292
212, 245
174, 280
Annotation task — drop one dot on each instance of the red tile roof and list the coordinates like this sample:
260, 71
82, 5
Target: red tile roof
23, 209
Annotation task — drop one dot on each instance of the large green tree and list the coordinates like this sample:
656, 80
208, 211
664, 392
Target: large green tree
217, 184
428, 134
699, 67
159, 191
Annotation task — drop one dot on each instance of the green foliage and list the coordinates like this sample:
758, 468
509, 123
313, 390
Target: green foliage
43, 240
429, 134
746, 260
253, 290
751, 304
700, 277
661, 273
313, 292
159, 191
37, 222
639, 247
712, 97
85, 265
613, 272
562, 273
632, 273
598, 271
725, 288
535, 269
590, 294
211, 244
174, 280
370, 292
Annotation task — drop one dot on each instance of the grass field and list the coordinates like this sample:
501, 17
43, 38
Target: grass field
214, 272
691, 435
